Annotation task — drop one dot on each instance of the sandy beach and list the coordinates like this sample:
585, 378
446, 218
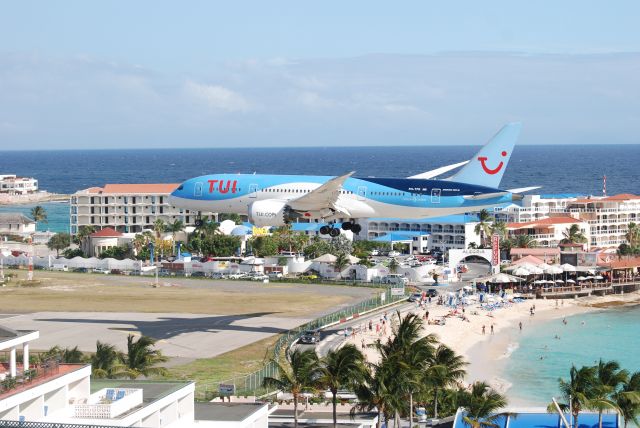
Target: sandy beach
43, 196
484, 351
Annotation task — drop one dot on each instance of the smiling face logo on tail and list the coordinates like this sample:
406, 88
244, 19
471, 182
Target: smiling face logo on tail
488, 165
483, 160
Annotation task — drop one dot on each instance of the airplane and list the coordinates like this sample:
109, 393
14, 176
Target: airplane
276, 200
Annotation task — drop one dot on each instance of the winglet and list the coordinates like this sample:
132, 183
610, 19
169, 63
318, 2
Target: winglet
487, 167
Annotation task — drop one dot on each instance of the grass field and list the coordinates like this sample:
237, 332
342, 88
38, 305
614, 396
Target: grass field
207, 372
68, 292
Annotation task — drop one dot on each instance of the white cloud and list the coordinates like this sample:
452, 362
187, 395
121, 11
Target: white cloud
218, 97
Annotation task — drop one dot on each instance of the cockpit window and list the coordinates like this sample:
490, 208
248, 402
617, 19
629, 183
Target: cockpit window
181, 187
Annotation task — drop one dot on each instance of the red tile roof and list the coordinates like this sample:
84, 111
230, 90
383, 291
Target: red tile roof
622, 263
549, 221
621, 197
107, 232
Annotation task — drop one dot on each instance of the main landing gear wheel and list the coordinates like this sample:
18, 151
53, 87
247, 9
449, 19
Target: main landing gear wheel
324, 230
356, 228
347, 225
334, 232
199, 222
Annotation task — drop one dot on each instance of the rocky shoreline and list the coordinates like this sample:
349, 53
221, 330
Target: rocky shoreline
6, 199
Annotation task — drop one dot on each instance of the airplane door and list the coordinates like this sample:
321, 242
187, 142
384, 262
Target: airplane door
197, 190
435, 196
253, 190
362, 193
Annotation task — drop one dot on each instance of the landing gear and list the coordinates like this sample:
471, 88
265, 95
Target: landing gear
354, 227
334, 232
324, 230
330, 230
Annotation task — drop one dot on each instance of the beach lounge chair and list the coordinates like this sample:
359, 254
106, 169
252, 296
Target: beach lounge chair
120, 394
110, 394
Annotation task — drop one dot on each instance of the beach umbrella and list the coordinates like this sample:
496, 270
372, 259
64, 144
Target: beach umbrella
540, 281
521, 271
544, 266
599, 277
570, 281
568, 268
581, 278
553, 270
559, 281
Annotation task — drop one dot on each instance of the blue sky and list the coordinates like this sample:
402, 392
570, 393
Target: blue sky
115, 74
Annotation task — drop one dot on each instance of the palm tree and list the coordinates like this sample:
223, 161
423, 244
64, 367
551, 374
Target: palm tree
633, 235
573, 235
499, 228
483, 228
342, 261
408, 354
524, 241
82, 234
481, 405
608, 378
341, 368
374, 391
39, 214
174, 228
393, 265
575, 392
72, 355
445, 368
627, 399
141, 358
105, 361
295, 376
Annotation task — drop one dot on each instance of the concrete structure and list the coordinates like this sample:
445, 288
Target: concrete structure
16, 224
53, 393
127, 208
439, 233
14, 185
606, 218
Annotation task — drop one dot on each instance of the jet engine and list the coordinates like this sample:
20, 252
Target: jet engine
271, 212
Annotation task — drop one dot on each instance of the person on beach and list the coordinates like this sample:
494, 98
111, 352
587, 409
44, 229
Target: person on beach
491, 328
483, 329
520, 325
370, 325
564, 321
426, 315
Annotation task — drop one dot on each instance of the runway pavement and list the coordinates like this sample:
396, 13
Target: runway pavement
186, 336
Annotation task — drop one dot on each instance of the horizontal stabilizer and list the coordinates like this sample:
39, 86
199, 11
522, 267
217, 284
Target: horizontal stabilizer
485, 196
524, 189
438, 171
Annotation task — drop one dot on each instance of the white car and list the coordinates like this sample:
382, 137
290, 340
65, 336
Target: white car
275, 275
259, 277
237, 275
393, 253
375, 252
104, 271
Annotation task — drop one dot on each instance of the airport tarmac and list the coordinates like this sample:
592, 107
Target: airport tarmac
185, 336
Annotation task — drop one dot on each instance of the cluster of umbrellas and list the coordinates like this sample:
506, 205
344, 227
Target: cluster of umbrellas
527, 269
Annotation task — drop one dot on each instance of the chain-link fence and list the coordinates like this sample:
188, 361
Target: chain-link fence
251, 384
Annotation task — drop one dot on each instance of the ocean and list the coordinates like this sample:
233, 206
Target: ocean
558, 169
609, 334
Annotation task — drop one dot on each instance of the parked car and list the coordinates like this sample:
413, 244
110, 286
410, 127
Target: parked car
80, 270
375, 252
258, 277
237, 275
310, 337
218, 275
415, 297
395, 278
393, 253
104, 271
60, 267
198, 274
310, 276
275, 275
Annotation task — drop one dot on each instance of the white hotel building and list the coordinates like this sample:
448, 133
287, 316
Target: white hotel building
602, 219
53, 394
14, 185
126, 208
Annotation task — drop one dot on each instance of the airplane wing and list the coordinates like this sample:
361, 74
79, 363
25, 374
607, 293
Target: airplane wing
438, 171
524, 189
323, 197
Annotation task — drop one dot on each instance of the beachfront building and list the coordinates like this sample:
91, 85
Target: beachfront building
549, 231
438, 233
14, 185
54, 394
16, 224
604, 219
126, 208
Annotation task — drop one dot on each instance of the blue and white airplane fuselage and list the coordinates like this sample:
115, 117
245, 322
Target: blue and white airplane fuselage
274, 200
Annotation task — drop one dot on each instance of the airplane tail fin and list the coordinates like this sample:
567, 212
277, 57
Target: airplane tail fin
487, 167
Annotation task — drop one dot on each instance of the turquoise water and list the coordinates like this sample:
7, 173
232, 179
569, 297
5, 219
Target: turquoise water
57, 214
610, 334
